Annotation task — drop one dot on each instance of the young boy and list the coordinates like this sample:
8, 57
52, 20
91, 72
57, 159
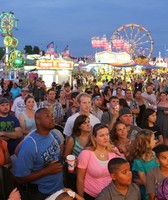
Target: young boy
158, 174
121, 187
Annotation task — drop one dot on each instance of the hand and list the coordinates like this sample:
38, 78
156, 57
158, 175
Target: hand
116, 114
14, 195
76, 195
54, 167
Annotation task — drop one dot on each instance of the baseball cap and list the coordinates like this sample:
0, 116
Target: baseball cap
3, 100
124, 111
38, 79
25, 89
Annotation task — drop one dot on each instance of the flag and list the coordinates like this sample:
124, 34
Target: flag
66, 53
50, 48
50, 45
56, 55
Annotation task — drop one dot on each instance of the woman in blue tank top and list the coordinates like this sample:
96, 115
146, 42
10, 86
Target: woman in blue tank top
76, 143
26, 118
79, 137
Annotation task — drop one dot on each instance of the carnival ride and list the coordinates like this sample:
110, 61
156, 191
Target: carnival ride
8, 22
130, 45
134, 39
131, 38
13, 57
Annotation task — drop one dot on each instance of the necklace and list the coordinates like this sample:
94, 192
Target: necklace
102, 155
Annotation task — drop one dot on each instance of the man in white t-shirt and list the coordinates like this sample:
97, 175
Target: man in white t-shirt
19, 105
84, 101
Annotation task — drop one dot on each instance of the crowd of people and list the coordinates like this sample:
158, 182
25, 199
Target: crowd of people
118, 134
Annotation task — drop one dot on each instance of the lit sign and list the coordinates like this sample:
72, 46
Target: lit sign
113, 58
64, 65
54, 65
45, 64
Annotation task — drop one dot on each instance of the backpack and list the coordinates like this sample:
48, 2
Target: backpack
162, 192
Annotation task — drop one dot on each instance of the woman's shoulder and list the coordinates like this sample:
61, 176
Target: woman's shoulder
162, 107
85, 155
71, 139
23, 115
88, 150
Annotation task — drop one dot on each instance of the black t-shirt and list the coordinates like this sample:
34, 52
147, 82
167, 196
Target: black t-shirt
156, 131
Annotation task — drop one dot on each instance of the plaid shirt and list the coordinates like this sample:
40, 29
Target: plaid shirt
56, 109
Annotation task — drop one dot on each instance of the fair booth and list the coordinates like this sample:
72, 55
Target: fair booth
53, 70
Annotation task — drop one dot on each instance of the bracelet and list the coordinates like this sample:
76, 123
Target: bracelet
71, 194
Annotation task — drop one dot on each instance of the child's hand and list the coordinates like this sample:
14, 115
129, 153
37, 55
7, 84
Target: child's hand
14, 195
77, 196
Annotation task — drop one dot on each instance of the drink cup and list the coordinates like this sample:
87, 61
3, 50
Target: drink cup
117, 108
71, 162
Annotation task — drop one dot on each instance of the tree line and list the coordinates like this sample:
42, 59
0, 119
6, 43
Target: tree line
28, 49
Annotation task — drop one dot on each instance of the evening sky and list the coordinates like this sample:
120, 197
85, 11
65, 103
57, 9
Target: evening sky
75, 22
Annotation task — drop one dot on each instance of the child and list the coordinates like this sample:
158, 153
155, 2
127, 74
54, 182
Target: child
149, 122
65, 194
121, 186
143, 158
158, 174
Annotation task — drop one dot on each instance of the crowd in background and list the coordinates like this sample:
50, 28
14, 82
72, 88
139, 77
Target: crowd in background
117, 132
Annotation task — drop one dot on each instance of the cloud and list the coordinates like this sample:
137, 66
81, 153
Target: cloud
75, 22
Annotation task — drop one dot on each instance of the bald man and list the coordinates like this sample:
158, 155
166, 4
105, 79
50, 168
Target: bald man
38, 163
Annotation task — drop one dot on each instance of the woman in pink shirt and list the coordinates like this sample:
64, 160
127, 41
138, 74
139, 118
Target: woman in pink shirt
92, 172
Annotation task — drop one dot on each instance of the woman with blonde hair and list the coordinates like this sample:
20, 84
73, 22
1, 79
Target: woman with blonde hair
143, 158
92, 172
26, 118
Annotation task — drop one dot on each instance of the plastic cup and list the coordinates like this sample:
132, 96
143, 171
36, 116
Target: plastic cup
71, 163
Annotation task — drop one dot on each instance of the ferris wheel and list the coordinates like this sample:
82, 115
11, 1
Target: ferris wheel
8, 22
13, 55
133, 39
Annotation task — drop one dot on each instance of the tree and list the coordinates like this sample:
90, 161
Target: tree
31, 50
28, 49
36, 50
